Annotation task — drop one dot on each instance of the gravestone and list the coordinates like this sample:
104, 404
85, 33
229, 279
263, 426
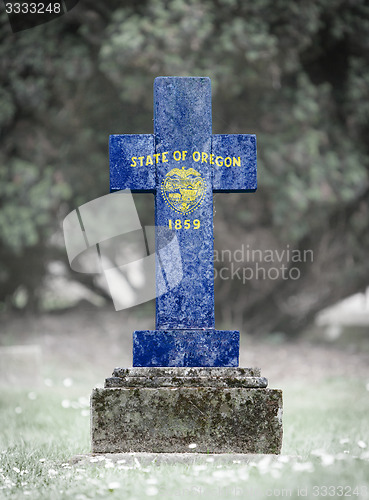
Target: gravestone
185, 386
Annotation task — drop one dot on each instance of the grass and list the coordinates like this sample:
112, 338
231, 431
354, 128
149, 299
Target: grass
325, 451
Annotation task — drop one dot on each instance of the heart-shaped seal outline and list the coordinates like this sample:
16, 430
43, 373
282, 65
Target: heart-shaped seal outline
185, 185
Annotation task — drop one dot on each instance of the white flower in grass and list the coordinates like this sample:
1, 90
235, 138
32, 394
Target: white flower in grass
8, 483
303, 467
277, 465
32, 396
318, 453
52, 472
26, 492
109, 465
152, 491
361, 444
114, 485
264, 464
192, 446
42, 460
243, 474
48, 382
94, 459
121, 461
344, 440
341, 456
218, 473
18, 410
327, 460
65, 403
67, 382
199, 467
152, 480
210, 459
275, 473
85, 413
15, 469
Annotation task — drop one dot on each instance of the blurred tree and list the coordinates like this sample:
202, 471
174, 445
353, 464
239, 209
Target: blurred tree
296, 74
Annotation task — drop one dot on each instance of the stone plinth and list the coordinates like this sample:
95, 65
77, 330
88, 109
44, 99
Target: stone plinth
183, 348
221, 410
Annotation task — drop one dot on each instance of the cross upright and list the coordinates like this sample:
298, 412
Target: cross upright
183, 164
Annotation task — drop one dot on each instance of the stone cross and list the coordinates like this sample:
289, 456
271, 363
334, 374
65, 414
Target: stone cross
183, 164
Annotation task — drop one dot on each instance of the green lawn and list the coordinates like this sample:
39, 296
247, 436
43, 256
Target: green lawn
325, 451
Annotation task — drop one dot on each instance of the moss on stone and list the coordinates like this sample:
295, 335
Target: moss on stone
218, 420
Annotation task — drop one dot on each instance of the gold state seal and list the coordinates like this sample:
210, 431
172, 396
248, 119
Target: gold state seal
183, 189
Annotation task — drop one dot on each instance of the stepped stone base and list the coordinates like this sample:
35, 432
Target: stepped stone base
165, 410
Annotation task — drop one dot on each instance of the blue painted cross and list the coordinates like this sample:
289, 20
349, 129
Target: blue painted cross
182, 163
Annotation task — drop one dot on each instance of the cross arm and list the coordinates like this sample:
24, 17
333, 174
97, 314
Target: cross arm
132, 162
234, 162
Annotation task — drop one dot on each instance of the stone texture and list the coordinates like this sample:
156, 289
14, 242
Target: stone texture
217, 420
189, 377
251, 382
122, 148
233, 179
214, 408
186, 348
182, 120
179, 377
186, 372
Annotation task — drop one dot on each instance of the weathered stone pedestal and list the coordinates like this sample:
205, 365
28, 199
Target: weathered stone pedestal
221, 410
